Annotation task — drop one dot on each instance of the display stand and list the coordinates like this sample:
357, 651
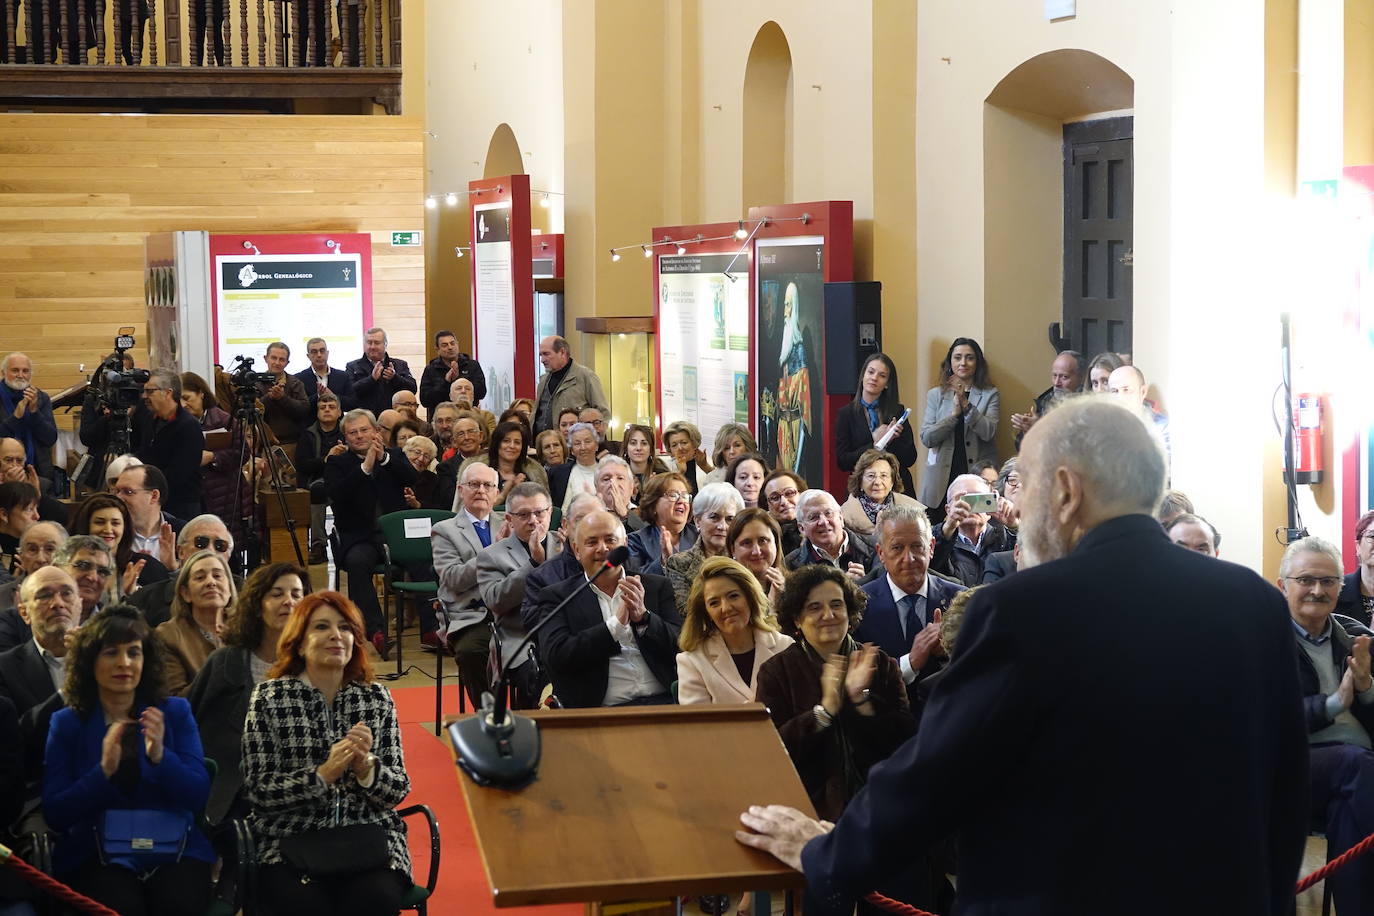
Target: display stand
503, 287
637, 803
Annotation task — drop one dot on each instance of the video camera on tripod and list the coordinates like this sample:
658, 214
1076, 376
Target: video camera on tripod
247, 382
114, 386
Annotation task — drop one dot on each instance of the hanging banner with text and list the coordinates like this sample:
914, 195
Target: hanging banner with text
289, 294
703, 324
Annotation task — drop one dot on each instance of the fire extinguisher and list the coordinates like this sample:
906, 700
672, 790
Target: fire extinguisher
1307, 438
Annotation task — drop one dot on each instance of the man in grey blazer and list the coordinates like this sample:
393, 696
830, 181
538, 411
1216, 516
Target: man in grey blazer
501, 574
457, 542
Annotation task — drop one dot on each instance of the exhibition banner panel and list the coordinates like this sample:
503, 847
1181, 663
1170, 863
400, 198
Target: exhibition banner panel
790, 302
494, 299
291, 293
703, 339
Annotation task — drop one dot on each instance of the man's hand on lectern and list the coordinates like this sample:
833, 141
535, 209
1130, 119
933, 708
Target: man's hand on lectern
780, 831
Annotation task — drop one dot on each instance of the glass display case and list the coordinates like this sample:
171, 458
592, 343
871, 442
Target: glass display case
622, 351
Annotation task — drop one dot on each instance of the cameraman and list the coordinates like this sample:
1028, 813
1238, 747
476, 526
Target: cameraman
286, 407
377, 375
96, 415
447, 368
169, 436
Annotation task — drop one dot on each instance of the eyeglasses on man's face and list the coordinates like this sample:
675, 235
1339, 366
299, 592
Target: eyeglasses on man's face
1309, 581
85, 566
202, 541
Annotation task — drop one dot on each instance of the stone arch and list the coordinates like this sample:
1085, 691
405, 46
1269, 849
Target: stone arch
767, 112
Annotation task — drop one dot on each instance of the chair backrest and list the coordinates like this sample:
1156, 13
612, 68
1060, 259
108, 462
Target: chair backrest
406, 534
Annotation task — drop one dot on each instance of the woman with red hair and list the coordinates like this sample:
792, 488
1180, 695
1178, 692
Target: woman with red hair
323, 770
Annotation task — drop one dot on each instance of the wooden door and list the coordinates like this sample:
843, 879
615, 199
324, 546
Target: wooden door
1098, 208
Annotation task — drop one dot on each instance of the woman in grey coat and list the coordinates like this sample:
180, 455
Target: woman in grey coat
960, 423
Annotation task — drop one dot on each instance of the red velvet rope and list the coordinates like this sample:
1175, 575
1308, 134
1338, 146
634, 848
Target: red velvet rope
906, 909
52, 885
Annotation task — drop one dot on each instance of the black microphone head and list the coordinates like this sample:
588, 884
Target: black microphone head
618, 556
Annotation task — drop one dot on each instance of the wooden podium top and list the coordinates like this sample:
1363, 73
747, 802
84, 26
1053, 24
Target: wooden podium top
636, 803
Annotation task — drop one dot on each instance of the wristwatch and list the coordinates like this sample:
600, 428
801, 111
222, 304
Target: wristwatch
823, 716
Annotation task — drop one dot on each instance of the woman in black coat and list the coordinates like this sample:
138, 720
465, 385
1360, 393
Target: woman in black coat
863, 421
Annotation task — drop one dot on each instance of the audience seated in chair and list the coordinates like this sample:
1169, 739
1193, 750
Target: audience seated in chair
825, 539
204, 532
726, 637
665, 505
205, 591
713, 512
37, 547
322, 751
964, 540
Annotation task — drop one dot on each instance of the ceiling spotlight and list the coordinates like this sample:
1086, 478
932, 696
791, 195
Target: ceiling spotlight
544, 201
741, 233
648, 252
681, 249
431, 203
451, 199
615, 255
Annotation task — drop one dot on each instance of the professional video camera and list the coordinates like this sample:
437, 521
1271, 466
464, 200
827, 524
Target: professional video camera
116, 387
246, 381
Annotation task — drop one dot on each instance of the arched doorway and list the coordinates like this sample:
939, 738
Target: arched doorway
767, 164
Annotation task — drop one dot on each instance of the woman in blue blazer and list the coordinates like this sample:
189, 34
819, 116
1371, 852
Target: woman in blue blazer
960, 423
122, 743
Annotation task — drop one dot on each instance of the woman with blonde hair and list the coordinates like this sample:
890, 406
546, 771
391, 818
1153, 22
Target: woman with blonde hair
726, 635
204, 590
732, 440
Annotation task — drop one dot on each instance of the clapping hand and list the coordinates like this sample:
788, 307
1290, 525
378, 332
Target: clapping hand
27, 401
361, 736
411, 500
631, 591
855, 571
669, 542
167, 546
112, 747
537, 553
128, 580
926, 643
341, 754
832, 681
773, 580
154, 730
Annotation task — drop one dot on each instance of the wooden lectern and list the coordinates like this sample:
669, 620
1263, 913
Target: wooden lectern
637, 803
279, 546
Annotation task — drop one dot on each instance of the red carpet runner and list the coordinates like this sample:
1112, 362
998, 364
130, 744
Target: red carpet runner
434, 781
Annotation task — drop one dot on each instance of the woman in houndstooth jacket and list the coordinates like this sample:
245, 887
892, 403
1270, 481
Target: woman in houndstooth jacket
322, 748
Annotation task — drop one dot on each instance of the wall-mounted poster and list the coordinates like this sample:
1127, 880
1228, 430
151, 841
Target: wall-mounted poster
261, 298
790, 378
494, 299
703, 323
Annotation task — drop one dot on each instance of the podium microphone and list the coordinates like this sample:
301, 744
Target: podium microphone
496, 747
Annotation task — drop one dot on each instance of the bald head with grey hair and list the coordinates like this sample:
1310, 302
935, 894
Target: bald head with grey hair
1084, 463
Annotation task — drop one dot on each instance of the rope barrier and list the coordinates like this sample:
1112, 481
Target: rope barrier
52, 885
906, 909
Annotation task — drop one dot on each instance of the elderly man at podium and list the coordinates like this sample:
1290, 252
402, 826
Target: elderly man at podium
615, 644
1075, 780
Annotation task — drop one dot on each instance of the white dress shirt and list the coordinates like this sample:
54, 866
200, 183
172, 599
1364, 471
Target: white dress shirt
908, 673
628, 674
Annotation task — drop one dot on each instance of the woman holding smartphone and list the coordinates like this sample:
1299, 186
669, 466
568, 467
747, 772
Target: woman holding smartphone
960, 423
875, 411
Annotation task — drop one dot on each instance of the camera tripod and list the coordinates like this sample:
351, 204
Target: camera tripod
254, 431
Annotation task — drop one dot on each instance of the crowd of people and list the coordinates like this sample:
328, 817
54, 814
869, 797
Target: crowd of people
136, 640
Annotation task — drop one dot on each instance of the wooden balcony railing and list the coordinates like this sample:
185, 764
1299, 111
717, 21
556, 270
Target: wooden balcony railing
248, 51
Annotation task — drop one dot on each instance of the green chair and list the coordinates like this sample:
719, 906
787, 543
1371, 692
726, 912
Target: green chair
403, 547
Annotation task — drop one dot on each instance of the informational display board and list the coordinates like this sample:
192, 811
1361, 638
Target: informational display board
290, 288
703, 340
790, 298
502, 287
1357, 448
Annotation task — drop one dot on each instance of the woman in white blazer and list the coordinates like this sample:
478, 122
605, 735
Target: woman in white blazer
726, 636
960, 423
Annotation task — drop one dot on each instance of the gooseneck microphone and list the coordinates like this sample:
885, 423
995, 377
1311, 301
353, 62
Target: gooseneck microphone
496, 747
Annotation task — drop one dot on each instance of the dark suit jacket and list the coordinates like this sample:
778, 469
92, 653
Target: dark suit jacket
339, 382
853, 438
434, 390
1061, 772
997, 566
174, 447
1349, 602
13, 629
375, 395
957, 560
219, 701
576, 646
359, 499
558, 482
24, 678
882, 627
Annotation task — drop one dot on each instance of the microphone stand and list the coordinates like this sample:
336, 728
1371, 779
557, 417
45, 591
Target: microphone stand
496, 747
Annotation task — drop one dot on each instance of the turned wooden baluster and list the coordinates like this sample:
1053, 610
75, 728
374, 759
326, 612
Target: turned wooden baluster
11, 25
297, 14
118, 21
262, 33
81, 31
313, 50
173, 33
45, 45
243, 31
63, 39
136, 33
100, 31
152, 33
278, 36
376, 7
345, 36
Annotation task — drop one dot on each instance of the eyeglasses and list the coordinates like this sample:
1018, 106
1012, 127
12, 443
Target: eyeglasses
85, 566
871, 476
201, 541
777, 496
1309, 581
130, 491
527, 514
480, 485
677, 497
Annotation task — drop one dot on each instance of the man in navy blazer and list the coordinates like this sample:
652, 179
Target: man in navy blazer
1102, 736
615, 644
902, 614
365, 481
318, 377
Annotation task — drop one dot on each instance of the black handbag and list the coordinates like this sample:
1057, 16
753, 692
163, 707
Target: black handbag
337, 850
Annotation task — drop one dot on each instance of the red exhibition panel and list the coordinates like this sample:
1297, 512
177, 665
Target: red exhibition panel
503, 287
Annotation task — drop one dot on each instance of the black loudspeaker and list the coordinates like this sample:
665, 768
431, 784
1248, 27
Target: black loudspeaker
853, 331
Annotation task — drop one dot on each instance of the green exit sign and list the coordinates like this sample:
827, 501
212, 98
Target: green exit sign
407, 239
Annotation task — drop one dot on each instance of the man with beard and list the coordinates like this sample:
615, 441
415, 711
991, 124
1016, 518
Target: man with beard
1113, 691
26, 413
1067, 373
